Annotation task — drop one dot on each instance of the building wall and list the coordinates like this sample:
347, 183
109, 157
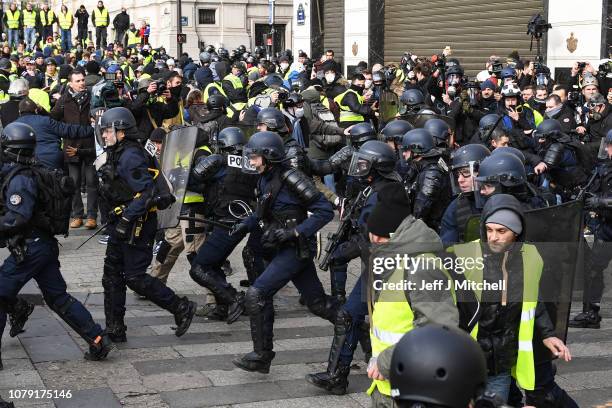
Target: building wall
584, 21
301, 33
234, 20
355, 32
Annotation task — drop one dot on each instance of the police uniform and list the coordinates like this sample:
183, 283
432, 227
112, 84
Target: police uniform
26, 229
454, 221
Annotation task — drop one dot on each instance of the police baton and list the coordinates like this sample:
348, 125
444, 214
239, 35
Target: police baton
93, 235
207, 221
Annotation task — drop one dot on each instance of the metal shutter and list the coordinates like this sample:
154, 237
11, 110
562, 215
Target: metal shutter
333, 28
473, 29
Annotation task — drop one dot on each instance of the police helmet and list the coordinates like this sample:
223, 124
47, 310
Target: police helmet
273, 119
449, 372
273, 81
242, 49
507, 72
231, 138
209, 48
267, 144
379, 155
395, 130
439, 129
488, 121
161, 65
205, 57
548, 128
216, 102
511, 150
222, 53
412, 97
418, 141
471, 153
118, 118
361, 133
510, 90
19, 87
502, 168
18, 135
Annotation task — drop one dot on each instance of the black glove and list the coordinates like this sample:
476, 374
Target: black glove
594, 202
123, 229
240, 228
282, 235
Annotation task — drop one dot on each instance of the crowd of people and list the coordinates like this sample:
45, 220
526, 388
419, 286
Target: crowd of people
407, 154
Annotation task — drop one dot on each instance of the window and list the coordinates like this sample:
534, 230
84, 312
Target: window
206, 16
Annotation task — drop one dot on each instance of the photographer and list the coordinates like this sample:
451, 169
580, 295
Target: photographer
154, 103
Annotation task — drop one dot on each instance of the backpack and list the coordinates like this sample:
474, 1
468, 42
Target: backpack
54, 200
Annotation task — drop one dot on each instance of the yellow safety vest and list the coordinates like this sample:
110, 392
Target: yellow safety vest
190, 196
236, 82
524, 370
209, 88
133, 38
46, 18
345, 112
147, 60
325, 101
29, 18
392, 317
100, 17
537, 116
12, 19
65, 20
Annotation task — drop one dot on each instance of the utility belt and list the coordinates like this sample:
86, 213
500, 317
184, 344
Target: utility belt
18, 244
137, 225
286, 219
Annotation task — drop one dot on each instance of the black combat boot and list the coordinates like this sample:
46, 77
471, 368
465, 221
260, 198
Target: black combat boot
99, 349
117, 332
19, 316
224, 293
185, 310
588, 319
335, 378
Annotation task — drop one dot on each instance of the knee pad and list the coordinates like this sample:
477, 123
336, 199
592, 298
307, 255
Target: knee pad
254, 301
139, 284
202, 276
325, 307
342, 322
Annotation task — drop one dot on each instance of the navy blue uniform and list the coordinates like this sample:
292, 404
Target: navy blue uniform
284, 264
40, 261
452, 227
126, 181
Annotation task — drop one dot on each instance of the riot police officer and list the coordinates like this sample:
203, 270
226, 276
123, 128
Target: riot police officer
427, 179
285, 196
392, 134
412, 101
599, 201
228, 190
441, 132
373, 165
130, 189
464, 166
27, 229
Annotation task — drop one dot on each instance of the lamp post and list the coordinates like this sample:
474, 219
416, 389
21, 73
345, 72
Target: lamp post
179, 29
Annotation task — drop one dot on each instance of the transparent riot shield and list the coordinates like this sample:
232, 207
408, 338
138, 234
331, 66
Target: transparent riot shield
97, 115
176, 160
389, 105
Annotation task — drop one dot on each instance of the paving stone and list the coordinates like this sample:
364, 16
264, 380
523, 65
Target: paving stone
277, 373
590, 398
603, 348
321, 401
582, 364
301, 388
362, 399
28, 379
47, 326
52, 348
141, 401
585, 380
100, 397
17, 364
233, 394
177, 381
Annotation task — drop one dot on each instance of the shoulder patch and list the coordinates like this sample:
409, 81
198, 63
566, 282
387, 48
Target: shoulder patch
566, 120
15, 199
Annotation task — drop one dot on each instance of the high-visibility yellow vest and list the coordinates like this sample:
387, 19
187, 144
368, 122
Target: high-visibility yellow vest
147, 60
46, 18
524, 369
29, 18
392, 317
209, 88
235, 81
325, 101
12, 19
345, 112
537, 116
133, 38
234, 108
190, 196
100, 17
65, 20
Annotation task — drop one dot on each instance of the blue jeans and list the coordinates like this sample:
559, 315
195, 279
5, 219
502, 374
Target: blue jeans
500, 385
66, 40
30, 38
13, 38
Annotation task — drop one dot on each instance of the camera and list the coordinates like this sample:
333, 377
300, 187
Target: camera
282, 96
110, 77
496, 67
581, 66
537, 26
161, 87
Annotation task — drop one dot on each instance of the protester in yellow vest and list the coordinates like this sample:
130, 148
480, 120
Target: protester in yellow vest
66, 21
46, 18
29, 22
234, 89
100, 20
12, 21
132, 38
351, 103
397, 308
505, 275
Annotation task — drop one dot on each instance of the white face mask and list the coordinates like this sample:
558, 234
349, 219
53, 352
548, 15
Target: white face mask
298, 112
284, 66
330, 78
368, 83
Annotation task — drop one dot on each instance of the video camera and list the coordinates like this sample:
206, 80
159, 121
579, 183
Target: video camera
537, 26
161, 87
496, 67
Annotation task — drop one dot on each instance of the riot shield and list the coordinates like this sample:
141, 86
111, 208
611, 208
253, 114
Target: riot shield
97, 115
557, 233
176, 161
418, 119
389, 105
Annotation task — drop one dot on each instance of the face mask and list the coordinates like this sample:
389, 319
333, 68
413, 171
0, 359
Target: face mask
553, 112
284, 66
298, 112
176, 91
368, 83
330, 78
358, 89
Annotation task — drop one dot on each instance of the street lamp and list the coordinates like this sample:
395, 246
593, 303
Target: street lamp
179, 29
272, 31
